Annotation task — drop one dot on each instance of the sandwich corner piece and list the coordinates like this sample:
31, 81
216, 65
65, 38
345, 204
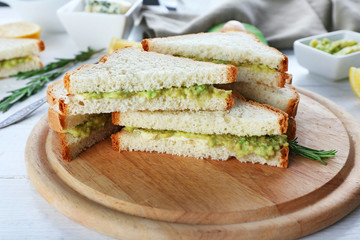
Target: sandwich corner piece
131, 79
19, 55
249, 132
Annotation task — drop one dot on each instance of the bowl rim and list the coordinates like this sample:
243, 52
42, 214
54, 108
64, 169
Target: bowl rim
302, 41
74, 3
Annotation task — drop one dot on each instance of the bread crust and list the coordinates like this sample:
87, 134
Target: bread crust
41, 45
291, 132
56, 120
115, 118
65, 150
232, 73
230, 101
50, 98
115, 141
145, 43
284, 160
293, 103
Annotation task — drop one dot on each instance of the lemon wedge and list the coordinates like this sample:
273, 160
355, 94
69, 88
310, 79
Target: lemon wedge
354, 77
117, 43
20, 30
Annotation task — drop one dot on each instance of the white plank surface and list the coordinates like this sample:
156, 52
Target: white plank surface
24, 214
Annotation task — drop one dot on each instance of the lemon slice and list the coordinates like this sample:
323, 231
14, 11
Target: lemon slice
117, 43
354, 76
20, 30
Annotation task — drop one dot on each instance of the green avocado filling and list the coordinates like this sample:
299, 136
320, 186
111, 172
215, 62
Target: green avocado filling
264, 146
84, 129
254, 67
337, 48
199, 92
10, 63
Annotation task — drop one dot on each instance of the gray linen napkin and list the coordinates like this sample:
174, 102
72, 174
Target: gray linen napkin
281, 21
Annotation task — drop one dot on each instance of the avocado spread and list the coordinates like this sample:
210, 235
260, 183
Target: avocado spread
199, 92
84, 129
337, 48
10, 63
264, 146
254, 67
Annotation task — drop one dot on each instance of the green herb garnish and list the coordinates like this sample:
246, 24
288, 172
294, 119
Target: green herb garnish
41, 77
310, 153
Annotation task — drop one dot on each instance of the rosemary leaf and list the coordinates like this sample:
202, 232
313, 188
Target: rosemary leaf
310, 153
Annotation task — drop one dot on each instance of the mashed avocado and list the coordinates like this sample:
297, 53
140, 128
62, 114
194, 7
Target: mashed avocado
10, 63
264, 146
200, 92
84, 129
337, 48
254, 67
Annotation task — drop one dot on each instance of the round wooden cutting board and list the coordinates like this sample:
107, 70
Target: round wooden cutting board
136, 195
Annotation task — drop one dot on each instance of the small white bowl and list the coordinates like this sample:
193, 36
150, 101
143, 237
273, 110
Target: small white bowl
96, 29
325, 64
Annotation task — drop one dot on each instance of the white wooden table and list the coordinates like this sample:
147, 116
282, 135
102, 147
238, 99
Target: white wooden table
24, 214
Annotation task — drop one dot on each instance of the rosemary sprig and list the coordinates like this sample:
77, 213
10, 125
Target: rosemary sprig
41, 77
33, 86
310, 153
61, 62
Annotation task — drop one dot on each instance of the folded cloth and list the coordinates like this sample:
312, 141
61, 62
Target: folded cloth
281, 22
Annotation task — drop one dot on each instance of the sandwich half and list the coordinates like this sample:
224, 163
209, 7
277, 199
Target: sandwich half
79, 132
131, 70
19, 55
254, 61
131, 79
250, 132
194, 98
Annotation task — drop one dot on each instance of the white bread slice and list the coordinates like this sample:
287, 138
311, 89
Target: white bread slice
19, 47
270, 78
71, 147
286, 99
132, 69
75, 104
237, 47
243, 119
133, 141
291, 131
34, 64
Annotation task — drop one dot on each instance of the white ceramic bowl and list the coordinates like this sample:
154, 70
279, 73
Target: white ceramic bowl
96, 29
324, 64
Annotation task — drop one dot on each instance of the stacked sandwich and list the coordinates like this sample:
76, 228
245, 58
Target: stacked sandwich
173, 104
262, 70
19, 55
131, 79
